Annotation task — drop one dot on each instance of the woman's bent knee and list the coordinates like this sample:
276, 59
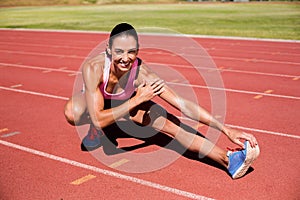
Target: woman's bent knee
75, 111
69, 113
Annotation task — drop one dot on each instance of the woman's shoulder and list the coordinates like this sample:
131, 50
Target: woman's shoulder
95, 63
92, 70
146, 73
144, 69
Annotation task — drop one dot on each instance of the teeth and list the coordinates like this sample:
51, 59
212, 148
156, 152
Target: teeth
124, 65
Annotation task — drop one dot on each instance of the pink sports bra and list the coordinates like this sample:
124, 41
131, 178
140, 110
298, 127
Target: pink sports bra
129, 89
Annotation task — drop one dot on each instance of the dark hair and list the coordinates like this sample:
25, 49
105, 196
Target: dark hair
123, 29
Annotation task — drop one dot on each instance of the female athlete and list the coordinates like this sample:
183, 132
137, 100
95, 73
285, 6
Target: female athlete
118, 84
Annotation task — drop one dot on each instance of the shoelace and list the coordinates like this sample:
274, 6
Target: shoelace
231, 150
93, 133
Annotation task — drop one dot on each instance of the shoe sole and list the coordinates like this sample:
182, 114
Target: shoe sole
252, 154
257, 152
90, 148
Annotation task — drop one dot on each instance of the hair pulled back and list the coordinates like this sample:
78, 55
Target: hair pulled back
123, 29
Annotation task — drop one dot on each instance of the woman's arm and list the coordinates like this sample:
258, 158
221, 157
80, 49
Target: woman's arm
196, 112
100, 117
191, 110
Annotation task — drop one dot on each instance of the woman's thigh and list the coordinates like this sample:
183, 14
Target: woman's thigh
149, 114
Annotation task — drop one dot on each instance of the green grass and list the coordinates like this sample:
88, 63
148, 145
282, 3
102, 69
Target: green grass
262, 20
76, 2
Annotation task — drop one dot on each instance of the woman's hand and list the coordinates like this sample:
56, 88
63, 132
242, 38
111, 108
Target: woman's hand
147, 91
236, 136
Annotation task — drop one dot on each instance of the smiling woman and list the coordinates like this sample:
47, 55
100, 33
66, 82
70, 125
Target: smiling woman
123, 47
117, 84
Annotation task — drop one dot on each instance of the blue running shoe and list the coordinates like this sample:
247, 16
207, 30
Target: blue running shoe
92, 140
240, 161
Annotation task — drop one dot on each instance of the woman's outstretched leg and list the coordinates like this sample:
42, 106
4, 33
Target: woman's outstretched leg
237, 163
155, 116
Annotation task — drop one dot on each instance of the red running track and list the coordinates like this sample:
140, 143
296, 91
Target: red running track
41, 156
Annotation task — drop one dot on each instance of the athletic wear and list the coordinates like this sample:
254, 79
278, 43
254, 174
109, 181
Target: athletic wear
129, 88
92, 140
240, 161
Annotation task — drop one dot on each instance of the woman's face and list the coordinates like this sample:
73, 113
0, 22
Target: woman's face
124, 52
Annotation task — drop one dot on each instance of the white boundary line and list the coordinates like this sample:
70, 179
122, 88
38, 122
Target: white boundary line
170, 83
214, 57
263, 131
39, 68
223, 70
156, 34
106, 172
33, 93
43, 54
152, 63
237, 91
65, 98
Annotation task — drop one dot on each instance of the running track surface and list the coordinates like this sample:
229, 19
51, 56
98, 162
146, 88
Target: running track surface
41, 156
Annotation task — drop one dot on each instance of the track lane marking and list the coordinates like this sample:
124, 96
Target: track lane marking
261, 95
106, 172
294, 77
42, 54
47, 71
238, 91
209, 48
292, 54
209, 56
16, 86
118, 163
251, 129
33, 93
268, 91
258, 96
264, 131
83, 179
228, 70
3, 130
65, 98
10, 134
73, 73
39, 68
230, 38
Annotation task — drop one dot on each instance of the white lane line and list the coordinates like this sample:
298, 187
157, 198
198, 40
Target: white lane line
225, 70
155, 34
65, 98
47, 46
208, 49
33, 93
73, 73
252, 129
106, 172
152, 64
10, 134
42, 54
255, 60
264, 131
39, 68
236, 91
16, 86
213, 57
